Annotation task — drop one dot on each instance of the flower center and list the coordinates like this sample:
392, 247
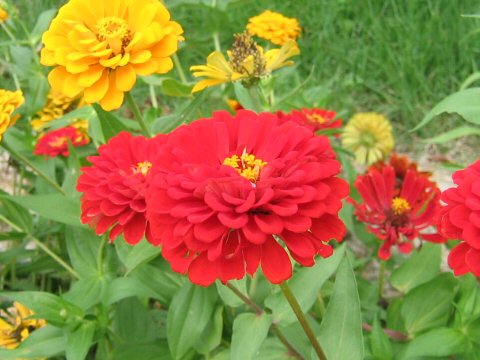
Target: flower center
400, 206
368, 139
316, 118
247, 165
143, 167
58, 142
115, 32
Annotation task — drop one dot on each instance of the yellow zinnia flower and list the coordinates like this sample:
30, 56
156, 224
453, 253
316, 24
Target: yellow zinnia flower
57, 106
369, 136
247, 62
3, 14
98, 47
274, 27
15, 327
9, 102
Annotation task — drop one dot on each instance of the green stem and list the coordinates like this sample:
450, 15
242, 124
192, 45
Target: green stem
216, 41
287, 292
55, 257
259, 311
33, 167
137, 114
381, 279
153, 96
100, 254
179, 68
7, 30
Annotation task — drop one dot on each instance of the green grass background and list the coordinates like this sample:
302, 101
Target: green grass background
399, 57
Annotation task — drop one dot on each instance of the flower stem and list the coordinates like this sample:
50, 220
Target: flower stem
179, 68
381, 279
33, 167
258, 310
302, 319
137, 114
254, 93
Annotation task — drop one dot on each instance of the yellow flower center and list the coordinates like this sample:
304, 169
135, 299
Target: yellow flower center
400, 206
247, 165
115, 32
58, 142
143, 167
316, 118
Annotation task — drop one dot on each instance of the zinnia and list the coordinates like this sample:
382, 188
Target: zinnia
15, 325
247, 62
315, 119
55, 142
369, 136
57, 105
227, 192
98, 47
460, 219
114, 187
274, 27
399, 205
9, 102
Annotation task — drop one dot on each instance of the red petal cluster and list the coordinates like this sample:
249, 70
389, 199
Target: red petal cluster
114, 187
315, 119
215, 223
460, 219
399, 180
55, 143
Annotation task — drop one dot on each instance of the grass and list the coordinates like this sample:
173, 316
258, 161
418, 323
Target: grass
395, 57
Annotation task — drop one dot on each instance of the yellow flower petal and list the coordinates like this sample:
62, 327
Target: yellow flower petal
125, 77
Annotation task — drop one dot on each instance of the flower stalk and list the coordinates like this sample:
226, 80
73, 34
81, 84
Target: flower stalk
258, 310
137, 114
287, 292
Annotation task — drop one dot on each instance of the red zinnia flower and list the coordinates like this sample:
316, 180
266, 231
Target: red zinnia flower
315, 119
399, 203
114, 187
460, 219
55, 142
227, 191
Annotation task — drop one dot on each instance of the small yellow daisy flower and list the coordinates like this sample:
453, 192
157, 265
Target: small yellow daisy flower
9, 102
274, 27
247, 62
15, 327
99, 47
369, 136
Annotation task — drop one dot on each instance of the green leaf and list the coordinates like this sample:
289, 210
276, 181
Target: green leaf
111, 124
63, 209
52, 308
43, 20
315, 277
456, 133
341, 329
159, 279
465, 102
17, 214
470, 80
133, 256
173, 87
155, 350
79, 341
212, 335
249, 332
437, 342
421, 267
46, 342
379, 343
428, 305
89, 291
133, 322
82, 247
188, 315
125, 287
